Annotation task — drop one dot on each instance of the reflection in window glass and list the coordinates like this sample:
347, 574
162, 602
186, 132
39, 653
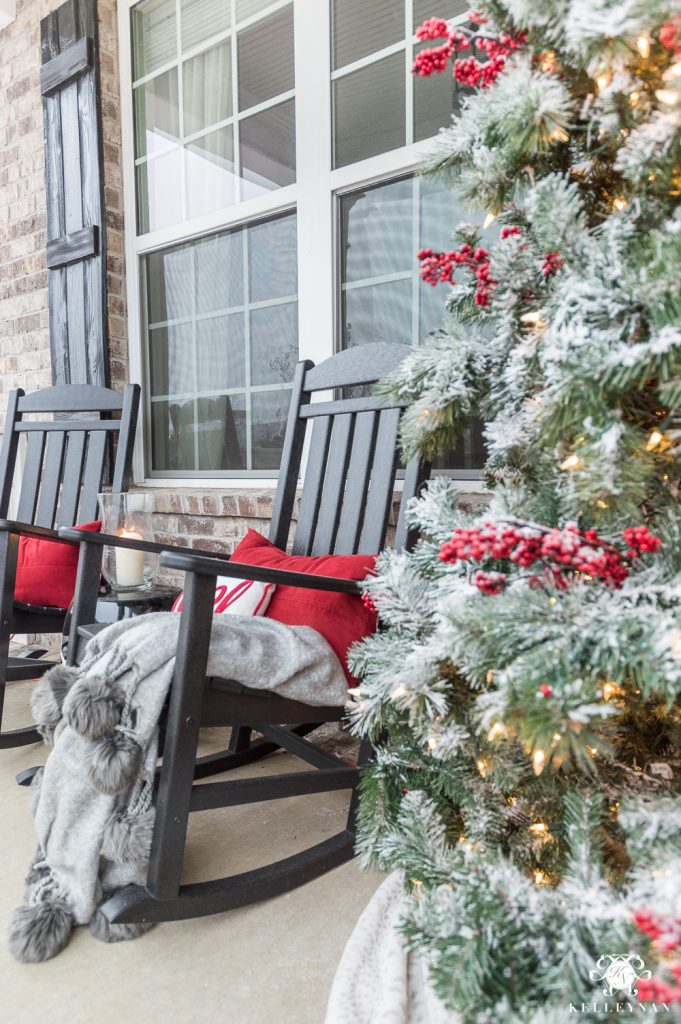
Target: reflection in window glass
378, 105
361, 27
187, 116
381, 295
222, 335
369, 111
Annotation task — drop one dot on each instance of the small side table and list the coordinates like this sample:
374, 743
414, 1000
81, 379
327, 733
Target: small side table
124, 604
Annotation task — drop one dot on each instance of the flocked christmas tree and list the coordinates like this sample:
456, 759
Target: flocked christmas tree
523, 694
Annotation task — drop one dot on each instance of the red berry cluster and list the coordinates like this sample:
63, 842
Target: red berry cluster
509, 231
440, 266
666, 931
640, 540
670, 34
467, 70
552, 263
489, 582
568, 550
472, 72
545, 690
655, 990
368, 602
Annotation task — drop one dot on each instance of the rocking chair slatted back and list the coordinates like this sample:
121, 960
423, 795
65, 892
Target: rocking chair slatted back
352, 459
66, 457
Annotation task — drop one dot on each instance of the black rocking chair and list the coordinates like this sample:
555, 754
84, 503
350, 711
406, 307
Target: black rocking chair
61, 477
345, 507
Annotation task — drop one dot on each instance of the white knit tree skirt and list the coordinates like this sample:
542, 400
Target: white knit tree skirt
378, 981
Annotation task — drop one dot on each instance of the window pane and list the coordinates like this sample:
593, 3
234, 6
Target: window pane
207, 414
219, 271
381, 295
207, 88
154, 34
435, 99
268, 411
274, 343
376, 231
265, 58
170, 359
369, 111
210, 175
159, 192
157, 118
272, 259
169, 284
202, 19
361, 27
268, 150
425, 9
248, 8
220, 352
380, 312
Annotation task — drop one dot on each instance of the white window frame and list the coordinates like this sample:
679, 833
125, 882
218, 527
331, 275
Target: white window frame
314, 196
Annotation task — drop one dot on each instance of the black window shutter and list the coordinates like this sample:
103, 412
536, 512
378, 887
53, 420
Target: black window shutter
76, 256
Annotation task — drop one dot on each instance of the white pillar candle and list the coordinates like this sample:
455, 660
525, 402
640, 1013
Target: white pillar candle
129, 563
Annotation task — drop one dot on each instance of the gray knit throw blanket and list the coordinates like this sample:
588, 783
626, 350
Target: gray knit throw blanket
92, 803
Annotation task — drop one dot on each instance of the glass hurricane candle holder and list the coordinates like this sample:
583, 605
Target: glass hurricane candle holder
129, 516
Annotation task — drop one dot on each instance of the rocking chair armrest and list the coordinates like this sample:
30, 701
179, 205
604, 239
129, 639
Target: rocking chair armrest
211, 566
28, 530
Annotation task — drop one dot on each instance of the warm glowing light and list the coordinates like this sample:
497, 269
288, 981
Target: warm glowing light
602, 504
538, 761
668, 97
432, 742
559, 135
620, 203
533, 317
654, 438
592, 750
556, 738
512, 801
490, 675
602, 82
553, 600
540, 877
539, 828
611, 690
354, 691
497, 730
634, 98
643, 46
572, 462
489, 219
482, 766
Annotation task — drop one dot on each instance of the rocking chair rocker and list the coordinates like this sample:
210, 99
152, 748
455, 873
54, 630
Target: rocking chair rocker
62, 475
346, 502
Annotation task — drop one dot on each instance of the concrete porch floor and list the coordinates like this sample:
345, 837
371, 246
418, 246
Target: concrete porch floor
272, 961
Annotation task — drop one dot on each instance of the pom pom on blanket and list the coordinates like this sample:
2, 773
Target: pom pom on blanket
39, 931
48, 698
116, 761
127, 838
93, 707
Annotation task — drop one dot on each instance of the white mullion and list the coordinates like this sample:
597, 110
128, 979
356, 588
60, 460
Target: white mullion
409, 78
415, 279
195, 361
364, 62
366, 282
180, 102
245, 250
135, 362
282, 300
312, 36
235, 109
268, 204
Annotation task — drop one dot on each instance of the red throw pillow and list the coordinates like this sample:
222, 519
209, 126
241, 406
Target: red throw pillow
340, 618
46, 570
